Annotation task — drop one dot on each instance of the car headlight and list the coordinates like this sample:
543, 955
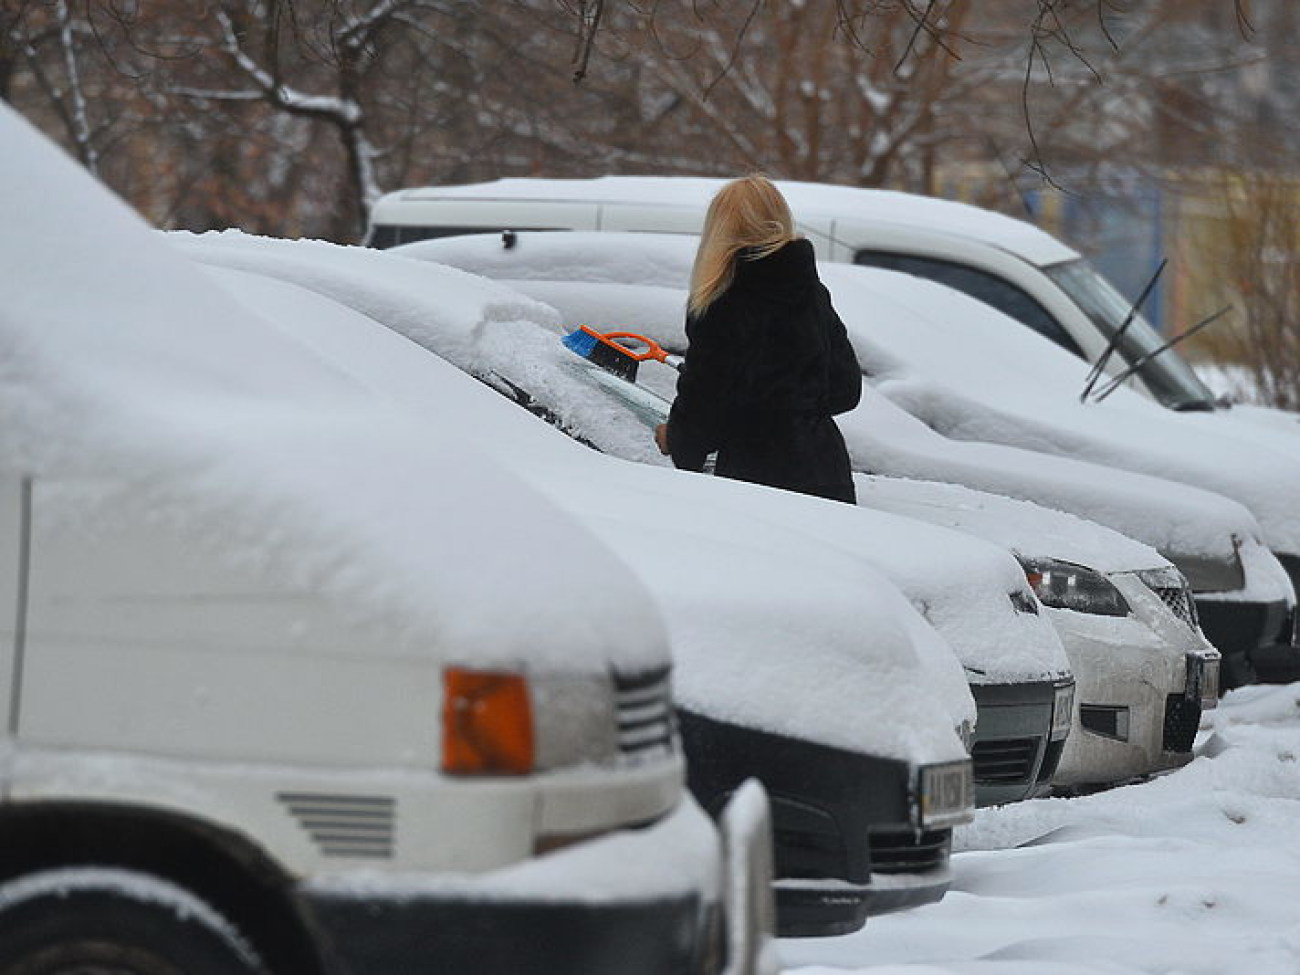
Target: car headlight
512, 723
1065, 585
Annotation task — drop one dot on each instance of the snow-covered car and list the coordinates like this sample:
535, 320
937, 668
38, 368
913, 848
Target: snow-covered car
974, 594
280, 689
635, 281
1125, 615
1024, 272
755, 584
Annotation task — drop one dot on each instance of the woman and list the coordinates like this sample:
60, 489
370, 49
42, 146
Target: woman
768, 363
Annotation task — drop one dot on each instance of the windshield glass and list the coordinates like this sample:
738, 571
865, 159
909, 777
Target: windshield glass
1168, 375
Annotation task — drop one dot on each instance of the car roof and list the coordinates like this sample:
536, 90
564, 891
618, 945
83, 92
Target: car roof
885, 208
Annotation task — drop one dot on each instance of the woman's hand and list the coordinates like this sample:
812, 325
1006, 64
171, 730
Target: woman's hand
661, 438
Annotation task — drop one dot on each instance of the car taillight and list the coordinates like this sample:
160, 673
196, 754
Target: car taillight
487, 723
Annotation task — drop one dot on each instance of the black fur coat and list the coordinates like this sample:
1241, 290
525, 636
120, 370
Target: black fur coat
768, 365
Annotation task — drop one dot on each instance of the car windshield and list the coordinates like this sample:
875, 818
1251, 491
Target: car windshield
1168, 375
648, 407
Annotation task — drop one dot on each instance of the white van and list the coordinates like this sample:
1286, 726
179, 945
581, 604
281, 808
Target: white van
280, 689
1022, 271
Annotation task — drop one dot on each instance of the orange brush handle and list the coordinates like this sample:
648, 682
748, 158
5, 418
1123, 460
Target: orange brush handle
652, 350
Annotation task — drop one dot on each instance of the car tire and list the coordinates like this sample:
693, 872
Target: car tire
75, 921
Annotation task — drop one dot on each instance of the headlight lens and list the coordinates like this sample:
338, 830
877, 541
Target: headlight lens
1062, 710
1064, 585
946, 794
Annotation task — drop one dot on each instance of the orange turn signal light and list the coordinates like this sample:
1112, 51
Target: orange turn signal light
487, 723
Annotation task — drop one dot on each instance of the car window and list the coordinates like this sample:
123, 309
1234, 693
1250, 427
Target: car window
383, 236
989, 288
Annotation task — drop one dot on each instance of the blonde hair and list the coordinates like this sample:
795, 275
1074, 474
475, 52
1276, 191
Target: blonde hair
747, 214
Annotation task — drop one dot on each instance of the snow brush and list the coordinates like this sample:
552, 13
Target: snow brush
618, 352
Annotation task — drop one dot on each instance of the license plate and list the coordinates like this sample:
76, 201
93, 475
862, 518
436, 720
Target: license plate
1209, 683
947, 794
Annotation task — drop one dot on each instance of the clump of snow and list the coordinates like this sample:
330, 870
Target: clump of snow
1191, 872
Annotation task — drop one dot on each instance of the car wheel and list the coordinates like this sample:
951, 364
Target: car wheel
106, 921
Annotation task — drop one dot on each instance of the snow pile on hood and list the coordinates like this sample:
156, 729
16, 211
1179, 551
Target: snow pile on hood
962, 586
123, 361
1027, 529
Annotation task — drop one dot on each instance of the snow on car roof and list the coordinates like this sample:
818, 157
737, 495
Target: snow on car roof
898, 339
869, 674
124, 361
964, 583
874, 206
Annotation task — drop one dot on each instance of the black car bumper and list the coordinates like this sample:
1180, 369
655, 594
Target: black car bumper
1014, 751
845, 845
417, 935
1257, 640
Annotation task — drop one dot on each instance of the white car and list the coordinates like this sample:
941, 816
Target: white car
280, 691
973, 594
1125, 615
903, 326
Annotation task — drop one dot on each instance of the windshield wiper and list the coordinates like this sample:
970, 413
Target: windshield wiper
1095, 372
1141, 361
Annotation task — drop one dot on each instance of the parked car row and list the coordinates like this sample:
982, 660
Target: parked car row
352, 623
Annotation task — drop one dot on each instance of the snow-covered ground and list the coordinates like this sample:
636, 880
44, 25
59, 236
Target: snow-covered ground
1193, 873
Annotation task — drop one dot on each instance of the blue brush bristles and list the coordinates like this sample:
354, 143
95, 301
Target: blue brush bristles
581, 342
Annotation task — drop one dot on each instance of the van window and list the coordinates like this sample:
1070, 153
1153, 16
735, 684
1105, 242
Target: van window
988, 288
383, 236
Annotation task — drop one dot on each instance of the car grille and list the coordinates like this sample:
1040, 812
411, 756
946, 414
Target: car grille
1182, 721
1003, 761
644, 707
1180, 603
906, 851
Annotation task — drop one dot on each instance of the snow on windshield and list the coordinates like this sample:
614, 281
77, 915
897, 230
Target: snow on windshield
124, 361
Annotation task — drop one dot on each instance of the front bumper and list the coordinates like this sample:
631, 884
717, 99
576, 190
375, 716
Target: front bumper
549, 917
1143, 681
1014, 749
846, 847
1258, 640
